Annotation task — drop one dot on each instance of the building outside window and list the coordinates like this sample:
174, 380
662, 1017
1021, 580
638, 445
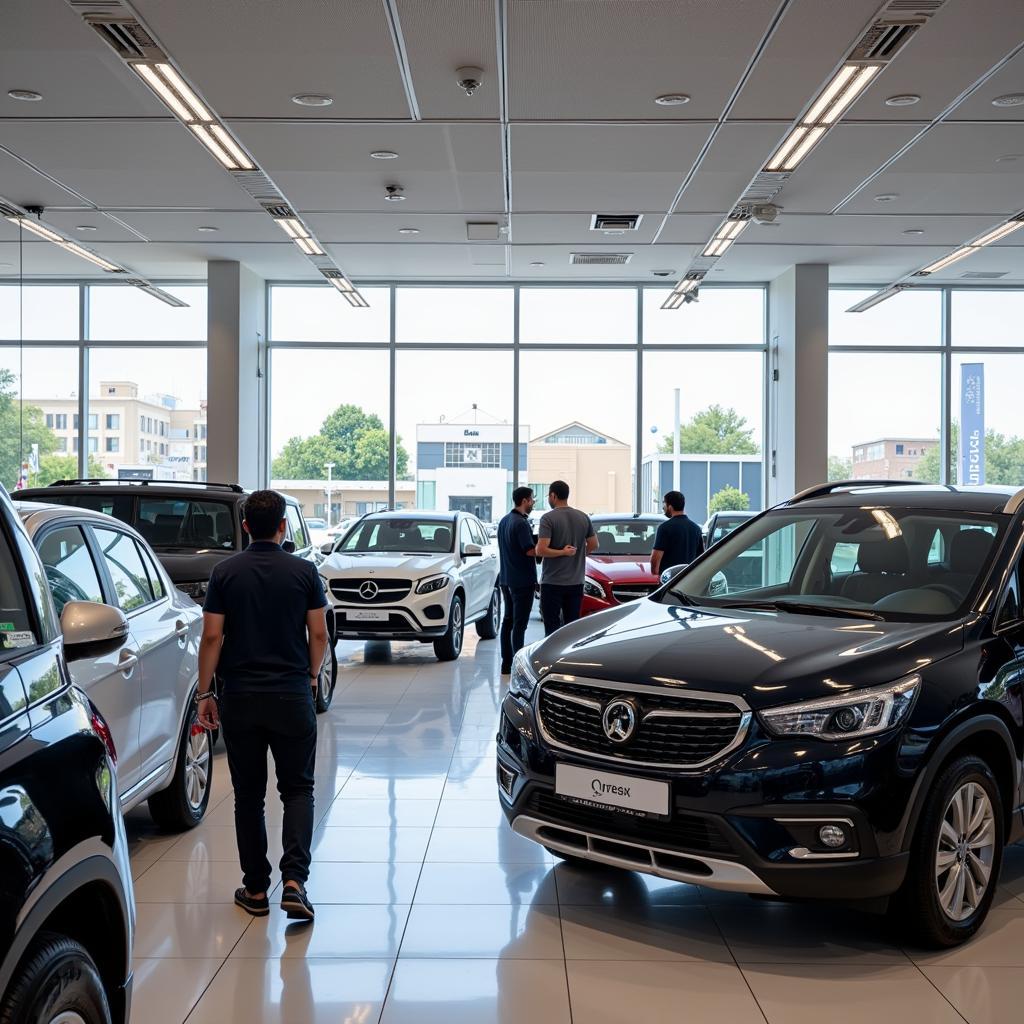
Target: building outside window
113, 421
113, 444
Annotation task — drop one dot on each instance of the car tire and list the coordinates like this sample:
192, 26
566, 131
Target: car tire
183, 803
487, 628
56, 980
960, 835
328, 679
449, 646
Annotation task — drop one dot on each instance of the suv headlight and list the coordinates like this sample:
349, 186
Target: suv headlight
327, 586
197, 590
523, 680
855, 714
593, 589
432, 584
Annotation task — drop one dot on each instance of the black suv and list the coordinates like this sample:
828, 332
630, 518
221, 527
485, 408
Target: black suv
191, 527
66, 917
849, 725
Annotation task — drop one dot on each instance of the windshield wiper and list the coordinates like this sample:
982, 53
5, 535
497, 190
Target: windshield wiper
806, 608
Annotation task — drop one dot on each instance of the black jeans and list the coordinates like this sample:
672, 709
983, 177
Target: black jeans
286, 725
518, 605
559, 605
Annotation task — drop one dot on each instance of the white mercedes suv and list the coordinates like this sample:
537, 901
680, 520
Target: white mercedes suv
412, 575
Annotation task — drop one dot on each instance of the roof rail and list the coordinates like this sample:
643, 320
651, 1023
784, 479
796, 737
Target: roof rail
1015, 503
234, 488
819, 490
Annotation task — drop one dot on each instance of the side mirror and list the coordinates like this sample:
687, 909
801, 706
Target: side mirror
327, 547
472, 551
289, 546
91, 628
672, 572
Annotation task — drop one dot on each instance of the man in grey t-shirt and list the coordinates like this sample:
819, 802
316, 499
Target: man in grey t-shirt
565, 538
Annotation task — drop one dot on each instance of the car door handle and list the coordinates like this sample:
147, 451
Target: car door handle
127, 662
181, 630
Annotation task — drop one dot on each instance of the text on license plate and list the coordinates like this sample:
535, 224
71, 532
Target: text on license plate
611, 790
366, 616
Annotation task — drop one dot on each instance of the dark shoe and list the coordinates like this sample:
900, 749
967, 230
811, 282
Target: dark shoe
296, 905
506, 670
250, 904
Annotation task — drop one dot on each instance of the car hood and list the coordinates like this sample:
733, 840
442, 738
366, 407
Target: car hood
767, 658
620, 568
409, 566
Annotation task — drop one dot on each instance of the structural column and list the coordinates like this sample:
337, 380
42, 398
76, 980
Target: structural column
798, 380
236, 329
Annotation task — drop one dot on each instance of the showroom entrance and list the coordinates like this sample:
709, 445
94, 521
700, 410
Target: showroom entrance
475, 504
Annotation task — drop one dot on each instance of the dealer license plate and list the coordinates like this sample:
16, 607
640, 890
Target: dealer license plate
606, 789
362, 615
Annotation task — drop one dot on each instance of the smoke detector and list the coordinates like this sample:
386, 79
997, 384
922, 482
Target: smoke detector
394, 193
469, 79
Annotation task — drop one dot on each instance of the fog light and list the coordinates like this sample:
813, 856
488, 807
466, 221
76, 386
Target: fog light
832, 836
506, 778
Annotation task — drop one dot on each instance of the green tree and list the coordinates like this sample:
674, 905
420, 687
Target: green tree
728, 499
63, 467
839, 469
714, 431
1004, 459
21, 426
354, 440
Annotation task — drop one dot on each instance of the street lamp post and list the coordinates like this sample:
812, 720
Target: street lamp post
329, 466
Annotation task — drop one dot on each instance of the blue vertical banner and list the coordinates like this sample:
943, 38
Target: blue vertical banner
972, 423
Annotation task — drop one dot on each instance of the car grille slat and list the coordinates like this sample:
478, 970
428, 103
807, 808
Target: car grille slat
388, 591
696, 732
632, 591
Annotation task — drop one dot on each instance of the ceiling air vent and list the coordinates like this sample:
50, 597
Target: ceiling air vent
126, 37
280, 210
615, 221
983, 275
599, 259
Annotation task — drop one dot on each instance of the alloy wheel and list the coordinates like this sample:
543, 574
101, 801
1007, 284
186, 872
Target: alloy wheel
197, 766
496, 612
966, 847
457, 626
68, 1017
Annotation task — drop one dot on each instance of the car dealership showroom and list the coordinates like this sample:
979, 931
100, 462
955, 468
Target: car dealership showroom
511, 511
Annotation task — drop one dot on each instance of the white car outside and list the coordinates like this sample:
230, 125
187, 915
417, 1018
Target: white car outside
415, 576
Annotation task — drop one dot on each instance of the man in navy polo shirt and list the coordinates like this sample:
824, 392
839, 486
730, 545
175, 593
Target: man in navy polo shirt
518, 574
264, 628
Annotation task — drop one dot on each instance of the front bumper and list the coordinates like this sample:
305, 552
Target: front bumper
415, 617
741, 825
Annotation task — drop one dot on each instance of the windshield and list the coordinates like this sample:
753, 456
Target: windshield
406, 536
889, 563
184, 523
632, 537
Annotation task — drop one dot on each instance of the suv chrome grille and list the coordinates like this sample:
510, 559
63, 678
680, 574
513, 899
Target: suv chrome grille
361, 592
672, 730
632, 591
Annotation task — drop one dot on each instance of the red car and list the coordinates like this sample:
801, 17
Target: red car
620, 569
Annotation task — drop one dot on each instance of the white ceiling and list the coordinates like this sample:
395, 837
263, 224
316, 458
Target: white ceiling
564, 126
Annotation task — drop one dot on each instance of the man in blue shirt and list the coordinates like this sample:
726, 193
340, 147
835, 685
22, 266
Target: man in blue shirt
678, 540
264, 628
518, 575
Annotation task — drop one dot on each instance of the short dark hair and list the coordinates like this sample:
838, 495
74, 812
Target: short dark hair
263, 512
675, 500
560, 489
520, 494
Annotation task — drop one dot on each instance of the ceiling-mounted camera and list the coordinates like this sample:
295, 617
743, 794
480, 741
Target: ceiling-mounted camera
469, 79
764, 213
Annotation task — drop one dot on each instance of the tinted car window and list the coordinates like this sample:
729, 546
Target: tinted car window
414, 536
155, 580
298, 530
15, 620
124, 563
625, 536
184, 523
117, 505
70, 570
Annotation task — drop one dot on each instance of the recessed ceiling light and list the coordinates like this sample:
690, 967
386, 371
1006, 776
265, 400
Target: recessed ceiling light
904, 99
207, 228
312, 99
913, 231
393, 194
1008, 158
85, 227
384, 154
536, 263
1010, 99
887, 197
663, 273
28, 95
408, 231
672, 99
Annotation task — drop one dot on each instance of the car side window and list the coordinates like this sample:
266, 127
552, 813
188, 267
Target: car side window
297, 526
70, 570
478, 534
1011, 608
465, 535
155, 579
127, 571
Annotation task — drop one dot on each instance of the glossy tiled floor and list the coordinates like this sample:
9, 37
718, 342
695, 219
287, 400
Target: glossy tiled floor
429, 909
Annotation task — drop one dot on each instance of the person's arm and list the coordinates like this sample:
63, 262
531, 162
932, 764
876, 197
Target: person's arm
591, 541
656, 556
700, 541
316, 627
545, 550
209, 655
525, 540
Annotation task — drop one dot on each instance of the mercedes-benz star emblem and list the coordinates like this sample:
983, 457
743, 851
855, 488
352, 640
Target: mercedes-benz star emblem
619, 720
368, 590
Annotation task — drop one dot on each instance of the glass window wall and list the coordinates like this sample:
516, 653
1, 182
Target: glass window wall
578, 316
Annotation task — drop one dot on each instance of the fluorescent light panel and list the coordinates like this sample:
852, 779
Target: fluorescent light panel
72, 247
726, 234
202, 133
1000, 232
37, 229
874, 300
952, 258
177, 83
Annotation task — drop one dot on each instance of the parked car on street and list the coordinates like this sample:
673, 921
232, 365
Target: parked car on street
412, 575
66, 902
144, 686
824, 733
620, 569
721, 524
191, 528
746, 571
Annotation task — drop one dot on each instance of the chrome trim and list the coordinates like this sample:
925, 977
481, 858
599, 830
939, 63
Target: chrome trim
802, 853
595, 705
727, 875
803, 821
742, 728
1016, 502
663, 713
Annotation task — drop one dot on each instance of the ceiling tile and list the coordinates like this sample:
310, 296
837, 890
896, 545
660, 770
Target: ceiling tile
1010, 79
